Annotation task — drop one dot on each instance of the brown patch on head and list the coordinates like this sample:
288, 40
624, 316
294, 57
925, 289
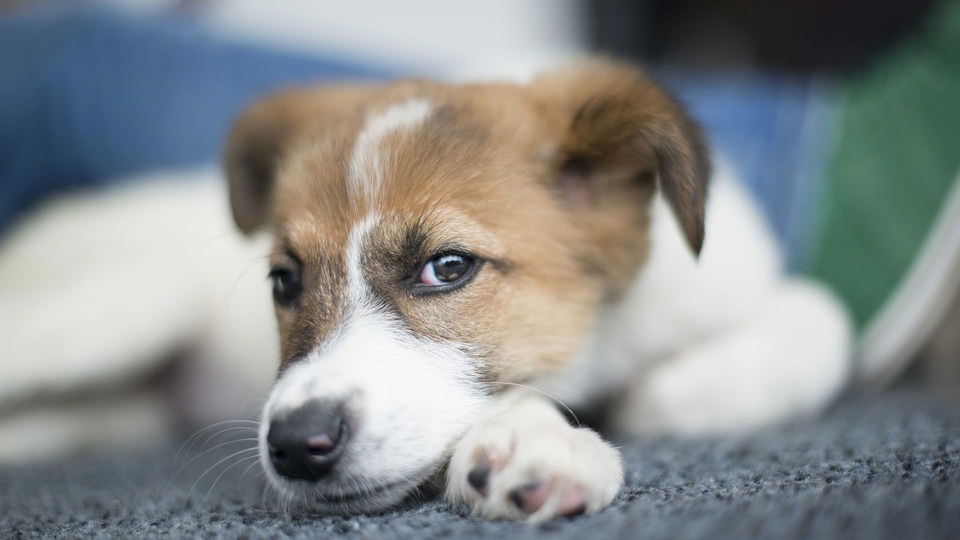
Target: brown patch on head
261, 136
323, 273
548, 186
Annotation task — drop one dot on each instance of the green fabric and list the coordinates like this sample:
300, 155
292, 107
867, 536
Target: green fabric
897, 154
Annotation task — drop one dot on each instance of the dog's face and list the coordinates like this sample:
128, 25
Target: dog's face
433, 241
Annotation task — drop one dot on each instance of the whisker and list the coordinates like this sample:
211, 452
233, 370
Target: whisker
214, 466
263, 496
200, 455
243, 429
543, 392
211, 449
248, 264
207, 428
252, 465
224, 471
285, 504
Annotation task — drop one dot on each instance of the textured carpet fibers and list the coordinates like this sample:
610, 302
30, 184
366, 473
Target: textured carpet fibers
884, 466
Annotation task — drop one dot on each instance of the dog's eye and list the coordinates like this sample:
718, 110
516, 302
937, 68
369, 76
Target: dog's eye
286, 286
446, 271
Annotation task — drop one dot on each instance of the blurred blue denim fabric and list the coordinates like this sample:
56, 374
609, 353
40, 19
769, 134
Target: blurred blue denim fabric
88, 94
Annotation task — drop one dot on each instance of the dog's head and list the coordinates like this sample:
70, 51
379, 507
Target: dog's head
432, 241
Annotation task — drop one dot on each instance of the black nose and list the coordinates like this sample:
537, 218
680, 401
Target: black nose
305, 443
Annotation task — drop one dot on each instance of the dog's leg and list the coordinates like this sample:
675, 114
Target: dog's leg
790, 357
524, 461
101, 287
92, 293
59, 431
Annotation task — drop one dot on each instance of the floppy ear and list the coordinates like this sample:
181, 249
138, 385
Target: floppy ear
624, 132
263, 133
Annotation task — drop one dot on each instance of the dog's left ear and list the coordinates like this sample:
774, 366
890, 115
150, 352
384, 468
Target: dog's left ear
263, 133
622, 131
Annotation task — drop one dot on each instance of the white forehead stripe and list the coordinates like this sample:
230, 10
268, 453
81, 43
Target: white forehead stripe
366, 165
356, 285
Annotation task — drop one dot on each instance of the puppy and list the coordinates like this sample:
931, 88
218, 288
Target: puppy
452, 261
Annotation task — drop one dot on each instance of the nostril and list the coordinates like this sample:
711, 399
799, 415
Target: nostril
275, 452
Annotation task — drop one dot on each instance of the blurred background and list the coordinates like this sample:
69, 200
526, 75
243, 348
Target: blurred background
841, 118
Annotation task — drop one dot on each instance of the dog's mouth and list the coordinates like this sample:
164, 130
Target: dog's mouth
365, 495
354, 496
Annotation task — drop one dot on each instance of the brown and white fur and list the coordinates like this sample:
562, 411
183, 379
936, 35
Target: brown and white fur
582, 198
610, 265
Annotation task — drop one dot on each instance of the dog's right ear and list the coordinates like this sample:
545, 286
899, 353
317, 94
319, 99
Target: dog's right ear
265, 131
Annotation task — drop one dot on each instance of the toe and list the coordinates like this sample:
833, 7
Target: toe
572, 501
479, 478
530, 497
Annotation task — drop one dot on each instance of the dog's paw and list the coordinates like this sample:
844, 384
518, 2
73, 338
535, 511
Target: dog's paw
512, 467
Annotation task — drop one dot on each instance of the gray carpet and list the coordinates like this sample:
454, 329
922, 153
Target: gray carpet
885, 466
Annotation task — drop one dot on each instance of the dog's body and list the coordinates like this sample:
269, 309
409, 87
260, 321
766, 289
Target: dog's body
450, 260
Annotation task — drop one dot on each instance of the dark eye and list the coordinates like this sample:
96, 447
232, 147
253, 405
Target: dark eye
286, 286
446, 272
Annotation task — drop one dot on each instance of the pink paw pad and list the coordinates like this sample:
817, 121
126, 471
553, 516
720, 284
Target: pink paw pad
530, 497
